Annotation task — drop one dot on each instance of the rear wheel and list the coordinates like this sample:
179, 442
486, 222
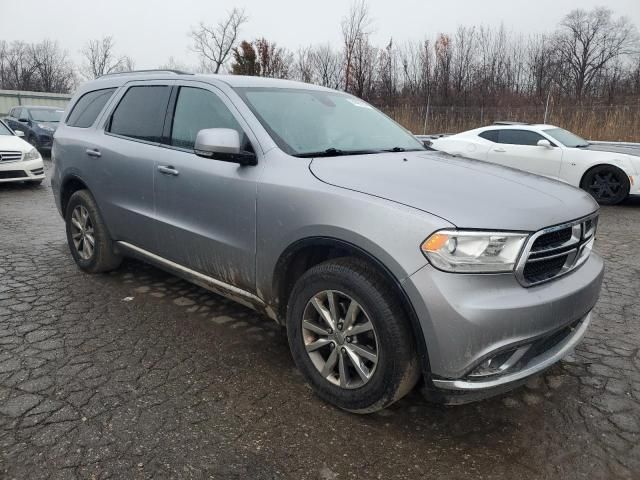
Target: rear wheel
350, 337
607, 184
87, 235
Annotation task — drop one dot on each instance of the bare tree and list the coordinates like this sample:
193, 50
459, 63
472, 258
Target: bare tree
589, 41
100, 58
355, 26
327, 66
363, 63
53, 69
214, 43
302, 67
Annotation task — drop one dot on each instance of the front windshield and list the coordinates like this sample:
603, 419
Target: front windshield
566, 138
46, 115
313, 122
4, 130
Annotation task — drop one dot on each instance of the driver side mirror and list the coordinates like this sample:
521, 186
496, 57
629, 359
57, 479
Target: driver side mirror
544, 143
19, 133
223, 144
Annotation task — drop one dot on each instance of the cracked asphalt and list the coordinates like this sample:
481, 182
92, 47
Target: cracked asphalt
137, 374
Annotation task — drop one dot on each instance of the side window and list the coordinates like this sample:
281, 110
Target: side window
197, 109
518, 137
140, 113
87, 108
491, 135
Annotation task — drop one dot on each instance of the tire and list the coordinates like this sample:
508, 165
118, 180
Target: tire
34, 183
607, 184
99, 257
396, 370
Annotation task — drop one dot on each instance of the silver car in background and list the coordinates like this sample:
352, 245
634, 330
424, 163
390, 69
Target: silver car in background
387, 263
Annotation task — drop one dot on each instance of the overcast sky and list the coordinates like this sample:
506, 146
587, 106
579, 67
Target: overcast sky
152, 31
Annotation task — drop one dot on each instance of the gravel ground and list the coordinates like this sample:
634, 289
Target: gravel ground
137, 374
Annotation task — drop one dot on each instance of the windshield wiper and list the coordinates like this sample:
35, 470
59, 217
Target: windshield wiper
334, 152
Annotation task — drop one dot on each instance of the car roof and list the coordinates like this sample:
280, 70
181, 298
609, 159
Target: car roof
519, 126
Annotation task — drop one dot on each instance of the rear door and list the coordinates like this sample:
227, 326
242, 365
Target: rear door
123, 157
519, 149
206, 209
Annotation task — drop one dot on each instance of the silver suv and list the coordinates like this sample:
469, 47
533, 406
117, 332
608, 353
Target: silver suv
387, 263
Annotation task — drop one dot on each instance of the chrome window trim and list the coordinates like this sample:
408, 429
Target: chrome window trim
575, 256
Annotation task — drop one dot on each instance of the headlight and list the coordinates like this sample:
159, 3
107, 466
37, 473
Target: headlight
472, 251
45, 127
32, 155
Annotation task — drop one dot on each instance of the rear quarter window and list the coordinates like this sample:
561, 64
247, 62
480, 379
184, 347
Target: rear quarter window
491, 135
88, 107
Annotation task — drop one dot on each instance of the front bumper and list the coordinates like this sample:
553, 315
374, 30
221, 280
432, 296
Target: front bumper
45, 141
467, 319
22, 171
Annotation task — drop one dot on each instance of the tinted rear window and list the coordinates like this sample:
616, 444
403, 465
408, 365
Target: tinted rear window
140, 114
86, 110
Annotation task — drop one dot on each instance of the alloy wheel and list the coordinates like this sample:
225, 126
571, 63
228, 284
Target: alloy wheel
340, 339
82, 232
605, 185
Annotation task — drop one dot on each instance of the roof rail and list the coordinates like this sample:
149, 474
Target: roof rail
501, 122
157, 70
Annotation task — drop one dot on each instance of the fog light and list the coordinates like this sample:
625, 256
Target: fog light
499, 363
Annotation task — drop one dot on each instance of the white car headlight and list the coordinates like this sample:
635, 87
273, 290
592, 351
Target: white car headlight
473, 251
32, 155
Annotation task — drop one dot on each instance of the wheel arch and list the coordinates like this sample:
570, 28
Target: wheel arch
69, 186
305, 253
601, 164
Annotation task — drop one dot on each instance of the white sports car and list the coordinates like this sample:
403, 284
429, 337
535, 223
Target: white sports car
19, 161
609, 172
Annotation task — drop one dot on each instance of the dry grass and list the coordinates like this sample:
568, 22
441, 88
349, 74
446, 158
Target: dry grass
613, 123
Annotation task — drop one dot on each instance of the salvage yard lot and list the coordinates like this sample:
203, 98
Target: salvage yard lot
137, 374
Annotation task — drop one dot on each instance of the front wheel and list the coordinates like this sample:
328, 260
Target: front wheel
87, 235
350, 337
607, 184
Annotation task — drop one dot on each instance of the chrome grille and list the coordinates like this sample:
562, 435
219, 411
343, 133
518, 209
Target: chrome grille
9, 156
554, 251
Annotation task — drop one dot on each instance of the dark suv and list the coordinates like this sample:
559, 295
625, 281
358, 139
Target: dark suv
37, 123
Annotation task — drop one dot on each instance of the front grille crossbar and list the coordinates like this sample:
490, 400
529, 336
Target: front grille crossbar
555, 251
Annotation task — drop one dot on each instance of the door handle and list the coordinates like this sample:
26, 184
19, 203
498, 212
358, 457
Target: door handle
93, 152
168, 170
499, 150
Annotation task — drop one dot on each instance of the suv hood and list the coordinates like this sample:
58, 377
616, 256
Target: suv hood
467, 193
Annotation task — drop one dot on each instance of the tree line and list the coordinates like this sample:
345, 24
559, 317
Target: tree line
591, 57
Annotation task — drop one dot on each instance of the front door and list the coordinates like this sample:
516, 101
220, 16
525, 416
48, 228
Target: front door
206, 208
519, 149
